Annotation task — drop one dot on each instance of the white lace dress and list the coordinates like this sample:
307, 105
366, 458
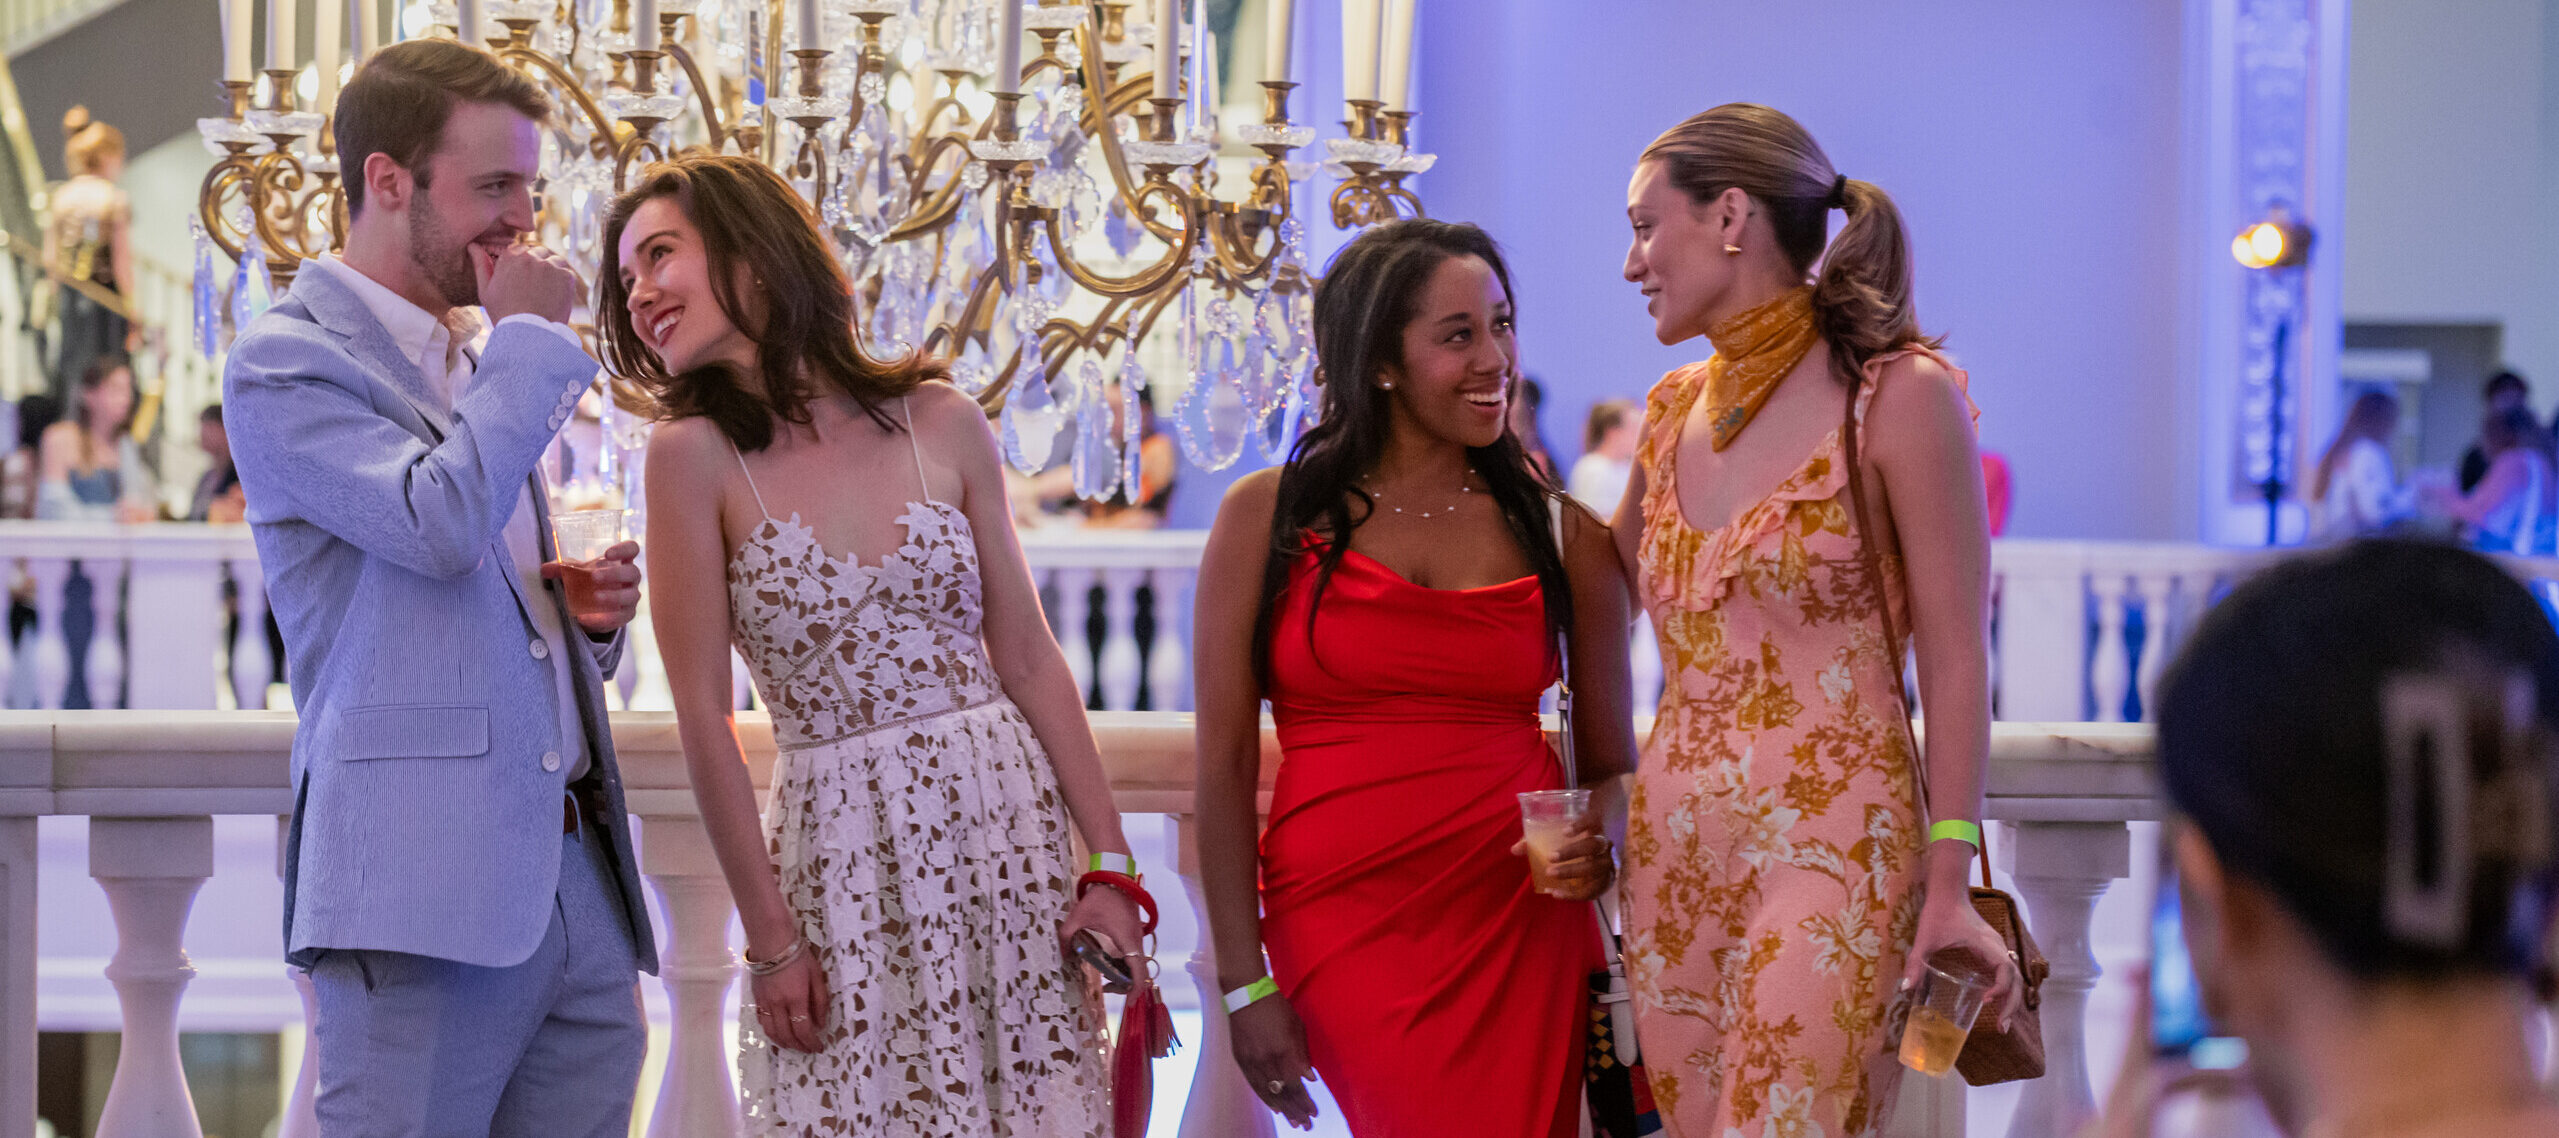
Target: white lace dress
918, 832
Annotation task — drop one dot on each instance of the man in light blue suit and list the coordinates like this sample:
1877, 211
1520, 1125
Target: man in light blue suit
459, 878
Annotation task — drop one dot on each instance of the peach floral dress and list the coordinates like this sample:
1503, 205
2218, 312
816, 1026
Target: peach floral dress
1773, 839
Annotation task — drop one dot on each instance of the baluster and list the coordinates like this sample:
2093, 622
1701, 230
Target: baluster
1645, 659
698, 1099
1168, 661
18, 861
150, 869
1120, 661
2157, 623
2111, 671
106, 636
52, 660
1074, 604
301, 1111
2043, 642
1221, 1105
175, 603
252, 668
2061, 869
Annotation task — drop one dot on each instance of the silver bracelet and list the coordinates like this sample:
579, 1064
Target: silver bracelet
780, 961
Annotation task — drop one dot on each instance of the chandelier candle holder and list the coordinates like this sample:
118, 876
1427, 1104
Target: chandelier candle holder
1050, 225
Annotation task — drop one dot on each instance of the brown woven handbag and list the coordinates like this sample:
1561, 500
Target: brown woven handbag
1989, 1055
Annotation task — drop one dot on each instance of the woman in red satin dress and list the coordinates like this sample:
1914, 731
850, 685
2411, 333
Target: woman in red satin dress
1410, 595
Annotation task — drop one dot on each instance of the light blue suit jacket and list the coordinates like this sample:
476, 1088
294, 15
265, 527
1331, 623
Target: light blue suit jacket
424, 819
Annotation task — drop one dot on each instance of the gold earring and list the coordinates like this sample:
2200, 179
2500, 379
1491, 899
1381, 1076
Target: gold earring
1732, 250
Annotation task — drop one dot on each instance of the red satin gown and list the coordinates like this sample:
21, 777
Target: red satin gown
1441, 994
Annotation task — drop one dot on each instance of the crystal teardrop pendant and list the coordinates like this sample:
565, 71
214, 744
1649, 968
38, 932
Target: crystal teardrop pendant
1097, 450
208, 293
1031, 418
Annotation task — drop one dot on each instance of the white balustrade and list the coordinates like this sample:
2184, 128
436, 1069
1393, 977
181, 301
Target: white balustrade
159, 642
149, 779
2060, 650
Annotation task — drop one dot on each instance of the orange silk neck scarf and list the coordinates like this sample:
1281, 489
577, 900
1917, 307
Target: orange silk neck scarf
1754, 350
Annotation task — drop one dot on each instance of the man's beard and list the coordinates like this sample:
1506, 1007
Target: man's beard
444, 259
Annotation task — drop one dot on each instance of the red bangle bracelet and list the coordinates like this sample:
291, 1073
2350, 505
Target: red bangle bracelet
1127, 885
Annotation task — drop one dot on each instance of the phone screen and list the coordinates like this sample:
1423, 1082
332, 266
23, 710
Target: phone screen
2179, 1026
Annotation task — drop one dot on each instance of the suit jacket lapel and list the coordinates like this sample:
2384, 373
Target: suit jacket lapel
344, 313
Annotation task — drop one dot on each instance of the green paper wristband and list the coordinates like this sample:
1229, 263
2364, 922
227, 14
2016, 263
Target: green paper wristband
1959, 830
1250, 994
1114, 863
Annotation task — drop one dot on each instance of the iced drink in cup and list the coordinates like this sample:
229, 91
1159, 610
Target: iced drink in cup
1942, 1011
580, 538
1545, 817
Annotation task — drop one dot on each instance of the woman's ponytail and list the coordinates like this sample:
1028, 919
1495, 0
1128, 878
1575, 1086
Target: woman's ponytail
1861, 299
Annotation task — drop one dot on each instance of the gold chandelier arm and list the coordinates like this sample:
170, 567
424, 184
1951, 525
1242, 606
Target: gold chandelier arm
1231, 248
936, 211
604, 142
283, 174
1098, 117
701, 90
1175, 262
234, 174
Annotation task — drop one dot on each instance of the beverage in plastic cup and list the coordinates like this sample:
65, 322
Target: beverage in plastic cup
1942, 1012
584, 535
1545, 816
579, 539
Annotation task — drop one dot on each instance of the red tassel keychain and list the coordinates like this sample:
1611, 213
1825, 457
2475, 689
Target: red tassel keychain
1146, 1025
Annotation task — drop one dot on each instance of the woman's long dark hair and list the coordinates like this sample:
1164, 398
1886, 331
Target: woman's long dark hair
748, 215
1366, 298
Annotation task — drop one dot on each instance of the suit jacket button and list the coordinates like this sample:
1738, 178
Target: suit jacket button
550, 760
540, 650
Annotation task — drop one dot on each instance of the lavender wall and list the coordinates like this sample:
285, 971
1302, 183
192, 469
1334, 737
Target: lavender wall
2034, 149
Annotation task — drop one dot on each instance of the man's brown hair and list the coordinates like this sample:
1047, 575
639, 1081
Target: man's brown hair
399, 101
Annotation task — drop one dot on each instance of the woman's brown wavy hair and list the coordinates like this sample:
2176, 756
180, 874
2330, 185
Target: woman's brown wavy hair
805, 347
1861, 300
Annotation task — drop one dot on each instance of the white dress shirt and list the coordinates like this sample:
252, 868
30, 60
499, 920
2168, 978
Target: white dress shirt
444, 353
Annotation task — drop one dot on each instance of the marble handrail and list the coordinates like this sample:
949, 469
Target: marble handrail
148, 782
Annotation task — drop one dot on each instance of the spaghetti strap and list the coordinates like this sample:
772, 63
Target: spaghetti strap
915, 448
750, 481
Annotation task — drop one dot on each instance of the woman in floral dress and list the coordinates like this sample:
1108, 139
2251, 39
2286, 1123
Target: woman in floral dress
1777, 887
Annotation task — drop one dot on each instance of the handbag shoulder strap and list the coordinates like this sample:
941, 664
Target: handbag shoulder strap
1867, 536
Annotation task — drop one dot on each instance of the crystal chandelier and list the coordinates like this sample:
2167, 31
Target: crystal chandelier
1042, 223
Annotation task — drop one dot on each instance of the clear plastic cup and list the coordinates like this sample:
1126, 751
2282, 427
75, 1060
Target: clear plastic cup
1942, 1012
581, 536
579, 539
1545, 817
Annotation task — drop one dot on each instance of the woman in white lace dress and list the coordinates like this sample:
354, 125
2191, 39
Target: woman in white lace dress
843, 523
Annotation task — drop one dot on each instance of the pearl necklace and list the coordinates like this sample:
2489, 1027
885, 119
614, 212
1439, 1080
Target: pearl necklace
1463, 492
